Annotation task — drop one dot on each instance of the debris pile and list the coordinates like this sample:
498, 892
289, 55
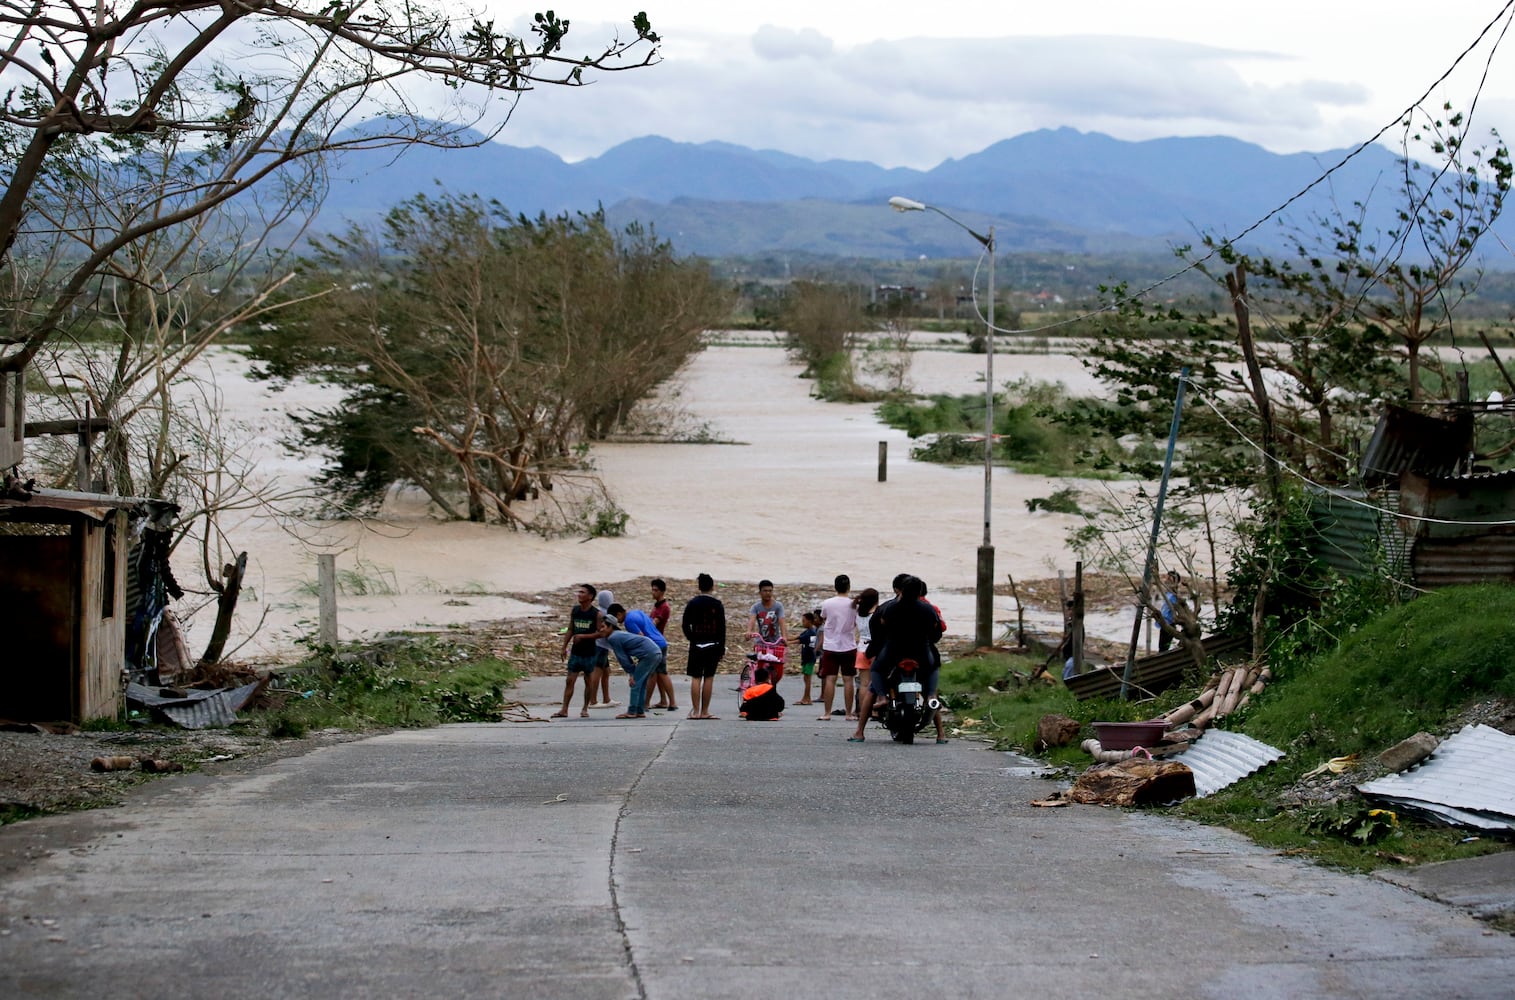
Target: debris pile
1466, 781
1227, 691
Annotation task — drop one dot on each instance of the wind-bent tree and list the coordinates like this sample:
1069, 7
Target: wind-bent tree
259, 85
1316, 341
478, 350
822, 322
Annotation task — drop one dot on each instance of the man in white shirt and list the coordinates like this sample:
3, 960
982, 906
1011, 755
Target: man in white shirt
838, 649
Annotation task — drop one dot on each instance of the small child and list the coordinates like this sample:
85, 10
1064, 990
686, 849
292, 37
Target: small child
761, 702
808, 642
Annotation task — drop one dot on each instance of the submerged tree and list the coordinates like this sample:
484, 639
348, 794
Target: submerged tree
479, 350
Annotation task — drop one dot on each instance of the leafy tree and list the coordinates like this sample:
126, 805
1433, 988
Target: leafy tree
822, 322
478, 350
257, 86
1316, 341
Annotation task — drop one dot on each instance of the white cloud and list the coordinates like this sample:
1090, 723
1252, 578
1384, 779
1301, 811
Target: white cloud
778, 44
918, 101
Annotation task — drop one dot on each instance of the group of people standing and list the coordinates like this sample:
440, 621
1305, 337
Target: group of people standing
849, 637
599, 628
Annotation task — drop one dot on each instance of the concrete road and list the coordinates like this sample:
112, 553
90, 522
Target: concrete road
686, 860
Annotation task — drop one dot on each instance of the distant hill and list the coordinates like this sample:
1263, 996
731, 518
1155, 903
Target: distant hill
1050, 190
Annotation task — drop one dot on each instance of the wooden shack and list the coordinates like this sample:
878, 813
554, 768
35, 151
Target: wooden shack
63, 603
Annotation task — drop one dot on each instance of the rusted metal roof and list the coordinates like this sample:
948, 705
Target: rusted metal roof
1407, 441
1468, 781
1221, 758
1356, 532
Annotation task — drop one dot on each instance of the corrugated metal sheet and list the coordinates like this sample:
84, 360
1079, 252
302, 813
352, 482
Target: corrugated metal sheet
195, 709
1157, 672
1220, 758
1468, 781
1357, 532
1449, 562
1407, 441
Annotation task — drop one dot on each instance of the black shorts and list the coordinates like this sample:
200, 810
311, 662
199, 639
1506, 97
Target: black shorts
703, 660
843, 662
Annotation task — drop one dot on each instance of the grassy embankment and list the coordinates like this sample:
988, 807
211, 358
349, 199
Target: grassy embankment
1419, 666
404, 681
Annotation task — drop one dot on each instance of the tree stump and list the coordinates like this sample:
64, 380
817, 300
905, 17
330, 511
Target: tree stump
1135, 782
1054, 730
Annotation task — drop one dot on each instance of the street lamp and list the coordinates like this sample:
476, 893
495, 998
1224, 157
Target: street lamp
983, 626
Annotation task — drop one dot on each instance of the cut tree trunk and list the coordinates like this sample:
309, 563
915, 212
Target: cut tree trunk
1136, 782
226, 606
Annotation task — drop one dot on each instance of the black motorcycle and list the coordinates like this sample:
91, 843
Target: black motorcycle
905, 710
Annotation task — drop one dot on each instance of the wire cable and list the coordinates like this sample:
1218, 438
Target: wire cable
1505, 13
1331, 490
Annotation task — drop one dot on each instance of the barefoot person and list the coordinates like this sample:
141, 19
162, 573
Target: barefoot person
661, 612
579, 650
704, 625
809, 641
601, 676
838, 657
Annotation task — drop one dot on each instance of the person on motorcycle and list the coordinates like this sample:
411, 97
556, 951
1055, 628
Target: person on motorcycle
906, 628
930, 688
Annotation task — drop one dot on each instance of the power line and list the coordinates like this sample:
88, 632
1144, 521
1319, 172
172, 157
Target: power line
1331, 490
1505, 13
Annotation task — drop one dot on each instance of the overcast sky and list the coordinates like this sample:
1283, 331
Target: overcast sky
913, 84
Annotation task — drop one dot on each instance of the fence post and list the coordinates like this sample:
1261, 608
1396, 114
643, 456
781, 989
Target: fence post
883, 461
326, 576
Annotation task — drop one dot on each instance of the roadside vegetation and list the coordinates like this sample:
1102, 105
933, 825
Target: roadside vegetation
404, 681
1350, 682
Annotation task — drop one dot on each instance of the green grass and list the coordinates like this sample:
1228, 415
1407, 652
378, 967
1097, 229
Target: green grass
1009, 719
1409, 668
1414, 667
406, 681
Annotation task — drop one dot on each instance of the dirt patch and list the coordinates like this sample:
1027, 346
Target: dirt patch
50, 772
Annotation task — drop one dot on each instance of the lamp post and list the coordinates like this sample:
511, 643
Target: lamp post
983, 624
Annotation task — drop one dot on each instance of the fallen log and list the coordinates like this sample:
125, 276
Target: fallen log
1134, 782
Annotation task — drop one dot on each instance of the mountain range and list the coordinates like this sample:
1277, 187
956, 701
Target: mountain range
1054, 190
